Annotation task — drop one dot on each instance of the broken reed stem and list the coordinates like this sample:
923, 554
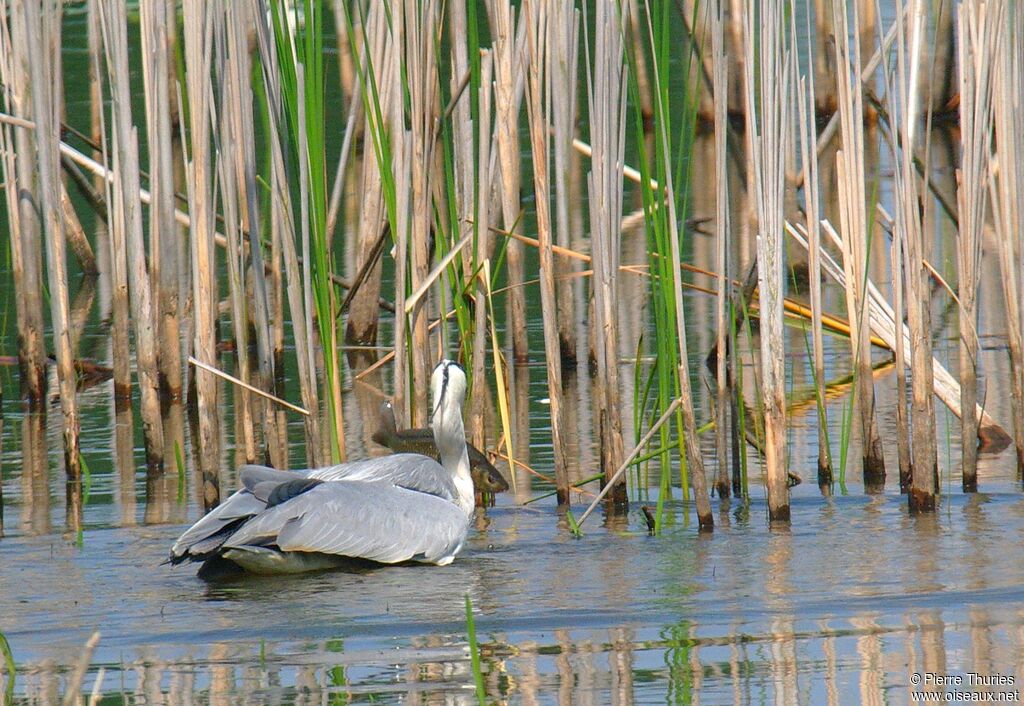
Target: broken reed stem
721, 104
1008, 209
980, 34
882, 321
608, 97
41, 25
251, 388
536, 21
665, 416
768, 126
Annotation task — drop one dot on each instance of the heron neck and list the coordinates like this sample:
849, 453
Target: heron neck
450, 437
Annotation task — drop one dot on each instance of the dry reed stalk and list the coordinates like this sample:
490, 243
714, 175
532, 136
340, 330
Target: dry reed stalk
283, 239
363, 312
156, 24
41, 24
1007, 182
32, 353
768, 130
117, 252
346, 66
241, 95
563, 32
509, 81
882, 320
937, 89
126, 225
695, 463
478, 400
809, 162
464, 166
227, 148
908, 228
636, 44
200, 171
16, 145
897, 258
856, 231
401, 155
980, 34
422, 26
608, 97
536, 17
824, 73
721, 100
75, 234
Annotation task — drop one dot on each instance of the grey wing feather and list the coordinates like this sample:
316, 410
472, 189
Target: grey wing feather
194, 541
375, 521
411, 471
251, 475
210, 531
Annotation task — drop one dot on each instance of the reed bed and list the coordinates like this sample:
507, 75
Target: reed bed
222, 234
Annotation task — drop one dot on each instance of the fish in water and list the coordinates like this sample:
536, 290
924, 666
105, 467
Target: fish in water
486, 478
387, 510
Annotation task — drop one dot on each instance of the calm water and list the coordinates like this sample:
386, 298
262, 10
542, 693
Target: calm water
845, 606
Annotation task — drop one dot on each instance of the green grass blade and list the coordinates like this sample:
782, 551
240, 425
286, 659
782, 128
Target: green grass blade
474, 653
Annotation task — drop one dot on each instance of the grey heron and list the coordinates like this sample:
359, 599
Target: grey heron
403, 507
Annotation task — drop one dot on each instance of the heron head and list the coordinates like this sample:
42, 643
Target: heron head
448, 387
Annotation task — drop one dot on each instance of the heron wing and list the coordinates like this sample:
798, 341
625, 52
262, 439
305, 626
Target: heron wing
369, 520
409, 471
208, 533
